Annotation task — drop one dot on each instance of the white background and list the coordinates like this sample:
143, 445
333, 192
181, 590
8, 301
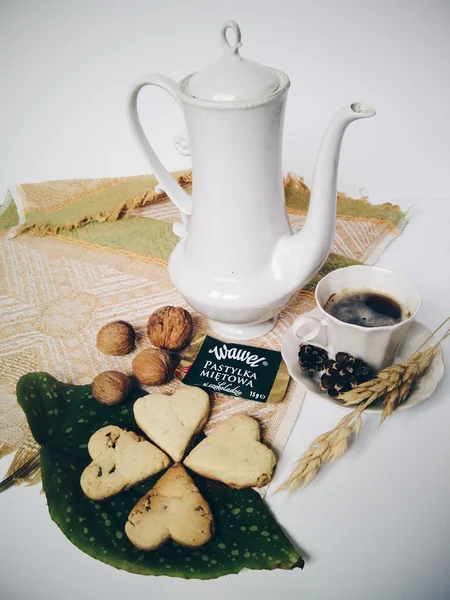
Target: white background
66, 67
376, 525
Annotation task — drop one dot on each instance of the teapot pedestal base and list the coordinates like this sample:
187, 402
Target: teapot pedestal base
232, 331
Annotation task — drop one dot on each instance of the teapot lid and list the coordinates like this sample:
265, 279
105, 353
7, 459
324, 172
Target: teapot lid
232, 77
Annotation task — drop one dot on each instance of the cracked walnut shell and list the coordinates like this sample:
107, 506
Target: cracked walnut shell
116, 338
170, 327
153, 367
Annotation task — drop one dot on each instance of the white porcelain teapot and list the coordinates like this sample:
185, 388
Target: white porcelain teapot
238, 262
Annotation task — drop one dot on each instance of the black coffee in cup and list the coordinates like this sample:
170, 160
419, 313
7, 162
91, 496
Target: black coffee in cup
365, 308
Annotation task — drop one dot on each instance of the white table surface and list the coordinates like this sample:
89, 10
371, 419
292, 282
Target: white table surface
376, 525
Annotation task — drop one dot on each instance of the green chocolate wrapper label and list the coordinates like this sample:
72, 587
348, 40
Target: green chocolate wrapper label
246, 372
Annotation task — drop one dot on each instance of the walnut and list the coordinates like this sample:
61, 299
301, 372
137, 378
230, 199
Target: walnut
116, 338
170, 328
153, 367
111, 387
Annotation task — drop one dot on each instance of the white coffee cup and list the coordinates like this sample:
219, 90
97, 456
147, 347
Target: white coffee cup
375, 345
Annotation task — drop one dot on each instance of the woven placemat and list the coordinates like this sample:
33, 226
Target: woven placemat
77, 254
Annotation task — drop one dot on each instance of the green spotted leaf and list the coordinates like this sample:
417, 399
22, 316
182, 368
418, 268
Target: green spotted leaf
62, 418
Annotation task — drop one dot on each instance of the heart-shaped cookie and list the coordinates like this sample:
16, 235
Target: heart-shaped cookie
120, 459
233, 454
172, 509
172, 421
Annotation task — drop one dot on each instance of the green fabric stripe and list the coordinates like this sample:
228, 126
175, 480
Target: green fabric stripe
298, 199
139, 235
98, 203
8, 214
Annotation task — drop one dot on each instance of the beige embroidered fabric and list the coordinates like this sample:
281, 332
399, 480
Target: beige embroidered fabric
58, 290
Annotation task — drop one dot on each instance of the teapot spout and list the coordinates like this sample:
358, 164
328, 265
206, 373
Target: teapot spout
299, 257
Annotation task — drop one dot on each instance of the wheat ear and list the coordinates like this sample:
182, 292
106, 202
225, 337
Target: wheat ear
328, 446
393, 383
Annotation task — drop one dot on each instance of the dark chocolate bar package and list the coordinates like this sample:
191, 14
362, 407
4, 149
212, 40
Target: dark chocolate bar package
247, 372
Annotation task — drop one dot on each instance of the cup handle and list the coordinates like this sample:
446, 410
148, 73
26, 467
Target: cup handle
304, 320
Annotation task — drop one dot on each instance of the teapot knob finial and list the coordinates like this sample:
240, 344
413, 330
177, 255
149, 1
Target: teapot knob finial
233, 48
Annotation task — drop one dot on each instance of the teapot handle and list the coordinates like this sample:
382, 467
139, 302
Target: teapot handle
181, 199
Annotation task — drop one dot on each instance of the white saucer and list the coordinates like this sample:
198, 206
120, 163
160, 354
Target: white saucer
416, 334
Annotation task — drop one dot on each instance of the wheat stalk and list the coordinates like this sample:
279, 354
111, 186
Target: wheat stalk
393, 384
328, 446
